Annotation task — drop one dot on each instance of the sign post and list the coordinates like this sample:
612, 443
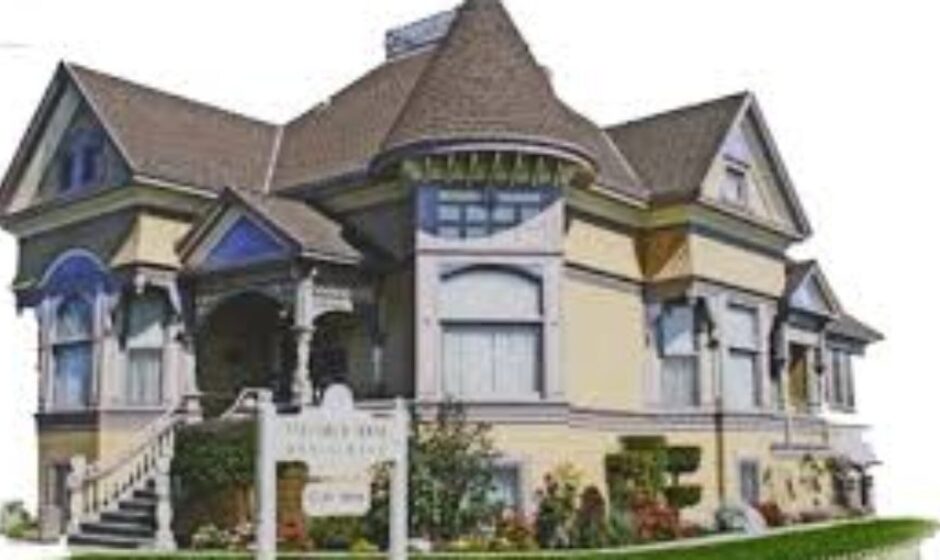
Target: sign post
339, 444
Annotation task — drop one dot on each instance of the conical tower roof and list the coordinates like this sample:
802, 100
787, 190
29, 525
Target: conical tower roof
484, 85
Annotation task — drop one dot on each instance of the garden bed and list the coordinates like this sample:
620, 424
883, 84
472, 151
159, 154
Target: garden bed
820, 543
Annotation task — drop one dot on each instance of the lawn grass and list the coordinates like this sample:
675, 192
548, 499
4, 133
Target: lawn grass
807, 544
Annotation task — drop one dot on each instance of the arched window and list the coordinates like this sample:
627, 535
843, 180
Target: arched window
72, 353
143, 379
491, 324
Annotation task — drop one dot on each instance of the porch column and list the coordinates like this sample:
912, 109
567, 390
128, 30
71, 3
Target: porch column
302, 388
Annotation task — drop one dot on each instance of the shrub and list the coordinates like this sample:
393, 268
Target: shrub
209, 537
681, 496
682, 459
363, 546
590, 526
335, 533
557, 503
450, 475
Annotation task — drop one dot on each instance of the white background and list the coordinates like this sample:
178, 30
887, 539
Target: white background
849, 89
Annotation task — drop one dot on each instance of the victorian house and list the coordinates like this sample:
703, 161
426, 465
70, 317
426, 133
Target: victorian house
443, 227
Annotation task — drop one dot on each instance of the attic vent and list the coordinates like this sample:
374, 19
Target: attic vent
418, 34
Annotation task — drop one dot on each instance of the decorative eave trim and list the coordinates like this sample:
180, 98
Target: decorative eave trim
58, 213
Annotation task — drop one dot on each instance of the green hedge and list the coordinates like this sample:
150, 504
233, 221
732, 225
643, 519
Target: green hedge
808, 544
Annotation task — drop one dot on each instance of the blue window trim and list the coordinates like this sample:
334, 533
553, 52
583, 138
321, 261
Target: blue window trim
481, 217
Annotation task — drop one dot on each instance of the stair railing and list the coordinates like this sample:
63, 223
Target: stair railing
98, 487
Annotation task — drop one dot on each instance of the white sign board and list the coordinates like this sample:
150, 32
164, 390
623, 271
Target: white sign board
337, 498
335, 443
339, 445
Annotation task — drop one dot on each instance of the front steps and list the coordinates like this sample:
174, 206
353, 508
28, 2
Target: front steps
132, 525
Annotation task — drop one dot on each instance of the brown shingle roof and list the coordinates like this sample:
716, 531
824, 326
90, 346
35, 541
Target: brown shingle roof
483, 83
310, 229
480, 84
168, 137
671, 151
342, 136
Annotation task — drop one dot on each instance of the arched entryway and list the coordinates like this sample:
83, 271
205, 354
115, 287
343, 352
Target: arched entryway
340, 352
246, 341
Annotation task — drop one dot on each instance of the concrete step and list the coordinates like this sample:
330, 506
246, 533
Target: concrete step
108, 541
142, 518
137, 504
117, 529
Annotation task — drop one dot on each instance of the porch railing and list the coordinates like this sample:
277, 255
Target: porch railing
98, 487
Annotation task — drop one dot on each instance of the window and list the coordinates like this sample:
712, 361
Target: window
734, 186
842, 382
749, 482
741, 373
72, 353
465, 213
81, 161
143, 378
505, 488
491, 325
679, 372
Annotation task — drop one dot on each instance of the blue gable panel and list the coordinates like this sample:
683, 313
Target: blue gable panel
245, 242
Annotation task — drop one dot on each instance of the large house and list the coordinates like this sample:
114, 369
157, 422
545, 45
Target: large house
443, 227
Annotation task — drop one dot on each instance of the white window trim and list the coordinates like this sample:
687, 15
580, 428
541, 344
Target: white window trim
538, 321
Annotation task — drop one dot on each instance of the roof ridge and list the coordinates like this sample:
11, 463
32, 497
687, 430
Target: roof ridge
680, 109
166, 93
272, 159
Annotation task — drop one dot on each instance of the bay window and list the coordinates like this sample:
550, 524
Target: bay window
491, 334
842, 390
679, 386
143, 377
73, 333
742, 371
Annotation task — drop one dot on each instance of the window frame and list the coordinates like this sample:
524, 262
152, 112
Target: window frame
737, 174
474, 211
58, 341
134, 347
668, 357
754, 353
490, 323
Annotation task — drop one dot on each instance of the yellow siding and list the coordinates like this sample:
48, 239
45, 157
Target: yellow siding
544, 448
726, 263
152, 241
602, 248
603, 344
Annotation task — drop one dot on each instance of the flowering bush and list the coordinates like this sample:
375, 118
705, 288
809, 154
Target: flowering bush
292, 535
655, 521
772, 514
516, 531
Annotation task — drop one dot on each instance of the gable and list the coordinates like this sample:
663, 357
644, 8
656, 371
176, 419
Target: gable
810, 292
809, 297
65, 152
746, 162
240, 240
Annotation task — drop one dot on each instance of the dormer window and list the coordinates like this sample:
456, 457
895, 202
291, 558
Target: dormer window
734, 187
80, 165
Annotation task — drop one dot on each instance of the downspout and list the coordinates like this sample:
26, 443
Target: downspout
711, 309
